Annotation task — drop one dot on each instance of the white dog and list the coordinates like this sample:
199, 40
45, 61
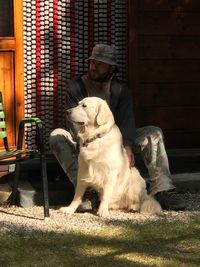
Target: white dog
103, 163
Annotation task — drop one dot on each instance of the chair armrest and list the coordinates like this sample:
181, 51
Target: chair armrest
39, 130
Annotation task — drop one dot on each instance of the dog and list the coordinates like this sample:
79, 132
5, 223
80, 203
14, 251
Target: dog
103, 163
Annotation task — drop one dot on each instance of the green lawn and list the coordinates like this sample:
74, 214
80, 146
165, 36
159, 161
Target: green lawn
159, 243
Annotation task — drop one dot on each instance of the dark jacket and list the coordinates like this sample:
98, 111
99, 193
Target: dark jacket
121, 105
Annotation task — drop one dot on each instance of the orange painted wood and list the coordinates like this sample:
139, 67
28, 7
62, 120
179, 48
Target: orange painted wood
12, 72
7, 88
7, 44
19, 61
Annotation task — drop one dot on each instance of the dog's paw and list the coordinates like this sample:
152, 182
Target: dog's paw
134, 207
103, 213
67, 210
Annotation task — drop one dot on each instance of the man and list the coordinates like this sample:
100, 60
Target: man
101, 81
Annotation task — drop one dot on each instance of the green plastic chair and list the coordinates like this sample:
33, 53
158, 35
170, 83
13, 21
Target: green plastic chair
18, 155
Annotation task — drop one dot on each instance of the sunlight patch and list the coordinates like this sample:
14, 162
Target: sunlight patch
143, 259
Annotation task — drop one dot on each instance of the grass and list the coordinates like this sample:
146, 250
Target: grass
159, 243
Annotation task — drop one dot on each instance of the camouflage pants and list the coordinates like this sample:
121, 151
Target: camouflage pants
149, 143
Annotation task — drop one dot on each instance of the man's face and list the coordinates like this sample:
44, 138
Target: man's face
100, 71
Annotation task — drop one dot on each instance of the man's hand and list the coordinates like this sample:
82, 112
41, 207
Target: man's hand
130, 155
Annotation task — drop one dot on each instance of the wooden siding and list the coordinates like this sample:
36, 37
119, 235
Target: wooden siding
164, 68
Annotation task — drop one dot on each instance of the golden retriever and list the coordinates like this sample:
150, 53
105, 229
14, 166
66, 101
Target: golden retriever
103, 163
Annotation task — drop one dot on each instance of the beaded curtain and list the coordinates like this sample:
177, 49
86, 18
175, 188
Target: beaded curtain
58, 38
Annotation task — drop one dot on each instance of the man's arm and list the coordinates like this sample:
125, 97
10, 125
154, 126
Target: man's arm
130, 155
124, 117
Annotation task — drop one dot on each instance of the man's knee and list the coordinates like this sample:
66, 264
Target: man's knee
151, 130
156, 129
60, 139
57, 132
148, 136
55, 136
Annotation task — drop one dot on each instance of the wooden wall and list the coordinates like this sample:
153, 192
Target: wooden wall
7, 88
12, 65
164, 67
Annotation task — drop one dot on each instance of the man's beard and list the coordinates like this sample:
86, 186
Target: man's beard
101, 78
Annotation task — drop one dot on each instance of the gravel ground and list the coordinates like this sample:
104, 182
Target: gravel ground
32, 218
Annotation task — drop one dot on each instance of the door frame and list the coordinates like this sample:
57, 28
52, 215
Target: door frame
19, 61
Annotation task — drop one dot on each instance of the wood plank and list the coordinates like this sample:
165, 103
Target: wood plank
176, 118
169, 71
168, 94
19, 61
168, 5
169, 23
171, 47
7, 44
7, 88
188, 152
182, 139
164, 60
12, 67
132, 50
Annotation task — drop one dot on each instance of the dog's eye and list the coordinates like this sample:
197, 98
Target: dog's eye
84, 105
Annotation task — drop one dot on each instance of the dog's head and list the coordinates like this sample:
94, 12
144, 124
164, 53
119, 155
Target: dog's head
91, 111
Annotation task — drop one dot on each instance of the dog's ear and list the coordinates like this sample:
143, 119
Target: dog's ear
104, 114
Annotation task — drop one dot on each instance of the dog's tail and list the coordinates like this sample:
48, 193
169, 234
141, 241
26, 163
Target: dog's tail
150, 205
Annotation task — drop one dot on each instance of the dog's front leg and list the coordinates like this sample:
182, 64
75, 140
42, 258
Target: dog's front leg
79, 192
105, 200
106, 196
